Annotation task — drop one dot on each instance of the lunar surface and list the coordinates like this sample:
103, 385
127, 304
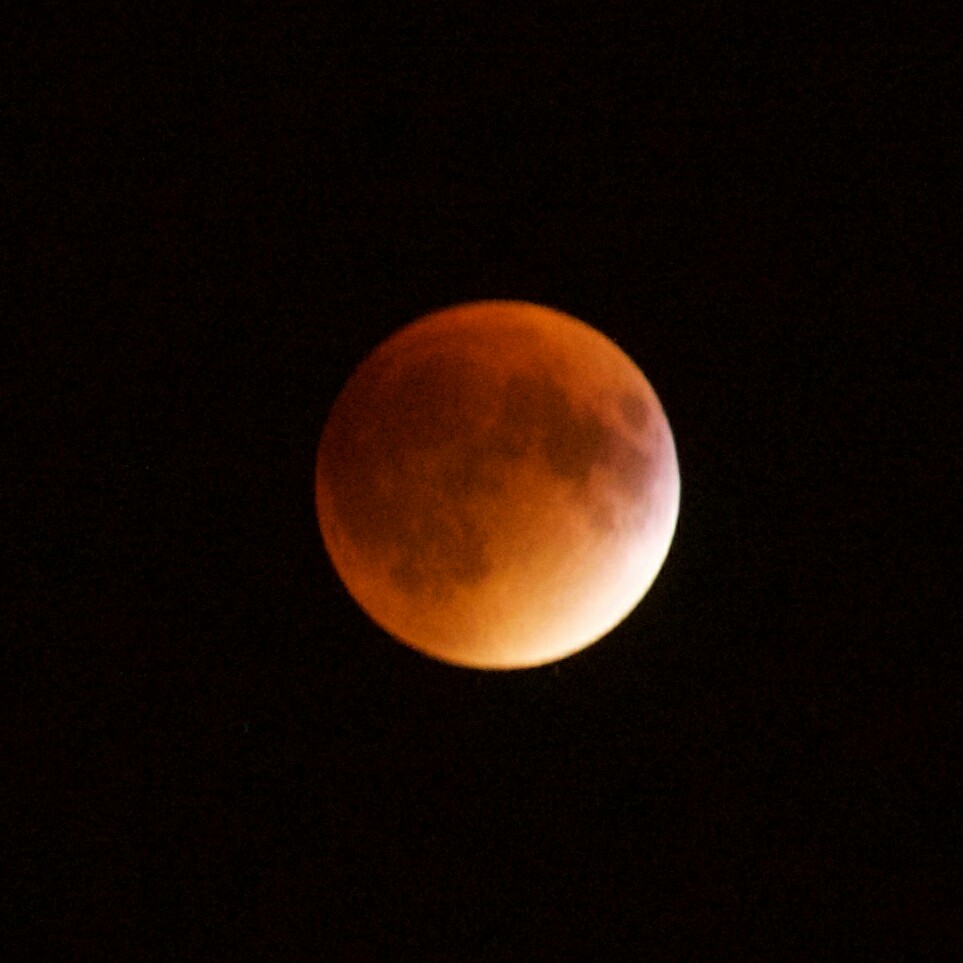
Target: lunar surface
497, 485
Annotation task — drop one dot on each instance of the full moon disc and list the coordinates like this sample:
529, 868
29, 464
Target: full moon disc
497, 485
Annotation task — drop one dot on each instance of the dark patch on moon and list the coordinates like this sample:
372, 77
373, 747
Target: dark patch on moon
413, 462
439, 549
635, 410
538, 412
406, 464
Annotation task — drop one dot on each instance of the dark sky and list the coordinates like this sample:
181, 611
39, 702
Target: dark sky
215, 755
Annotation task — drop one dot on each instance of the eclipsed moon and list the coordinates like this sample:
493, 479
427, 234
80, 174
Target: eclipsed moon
497, 485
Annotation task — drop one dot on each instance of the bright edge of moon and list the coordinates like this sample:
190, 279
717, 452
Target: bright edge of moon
497, 485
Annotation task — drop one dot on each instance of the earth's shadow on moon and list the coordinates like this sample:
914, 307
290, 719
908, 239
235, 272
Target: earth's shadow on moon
432, 525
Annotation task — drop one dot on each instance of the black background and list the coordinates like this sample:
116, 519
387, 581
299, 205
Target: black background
214, 754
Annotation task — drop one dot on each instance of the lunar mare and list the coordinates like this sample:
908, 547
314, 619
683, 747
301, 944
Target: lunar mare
497, 485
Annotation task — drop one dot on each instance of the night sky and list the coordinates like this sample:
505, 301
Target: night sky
214, 754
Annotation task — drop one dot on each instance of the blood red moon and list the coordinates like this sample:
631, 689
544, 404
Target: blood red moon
497, 485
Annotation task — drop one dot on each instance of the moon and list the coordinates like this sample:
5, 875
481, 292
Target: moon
497, 485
